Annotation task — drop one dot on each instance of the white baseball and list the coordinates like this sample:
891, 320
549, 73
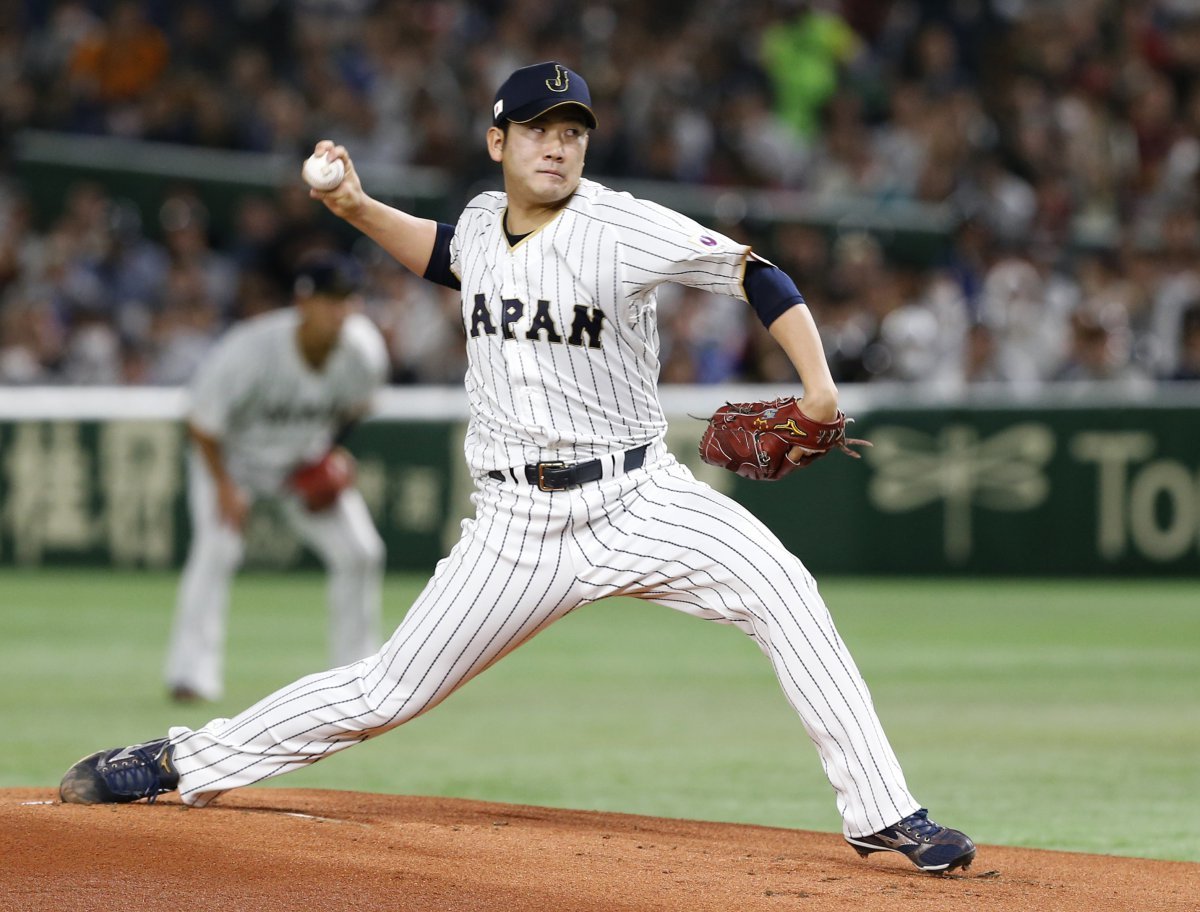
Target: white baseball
322, 174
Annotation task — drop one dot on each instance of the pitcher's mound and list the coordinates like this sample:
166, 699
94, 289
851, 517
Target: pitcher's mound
278, 849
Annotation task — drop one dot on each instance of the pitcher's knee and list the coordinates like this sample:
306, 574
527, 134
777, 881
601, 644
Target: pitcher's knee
219, 549
361, 557
391, 704
373, 554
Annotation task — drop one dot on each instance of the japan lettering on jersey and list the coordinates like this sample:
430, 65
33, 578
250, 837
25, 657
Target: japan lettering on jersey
562, 338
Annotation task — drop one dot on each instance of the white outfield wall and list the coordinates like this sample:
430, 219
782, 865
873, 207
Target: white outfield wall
439, 403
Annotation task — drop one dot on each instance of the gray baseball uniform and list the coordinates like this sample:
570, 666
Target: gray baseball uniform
563, 364
273, 412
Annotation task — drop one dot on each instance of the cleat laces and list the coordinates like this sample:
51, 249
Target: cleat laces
135, 775
920, 826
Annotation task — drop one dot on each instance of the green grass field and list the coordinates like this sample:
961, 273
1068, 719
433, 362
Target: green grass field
1054, 714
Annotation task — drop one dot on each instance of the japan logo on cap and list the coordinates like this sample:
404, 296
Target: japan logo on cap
561, 80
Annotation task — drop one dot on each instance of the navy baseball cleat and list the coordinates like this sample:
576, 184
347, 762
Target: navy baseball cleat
929, 846
121, 774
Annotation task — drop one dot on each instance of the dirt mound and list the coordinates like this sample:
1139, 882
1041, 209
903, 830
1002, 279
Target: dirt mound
280, 849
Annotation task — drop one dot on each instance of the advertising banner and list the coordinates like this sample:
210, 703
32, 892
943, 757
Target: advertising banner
962, 491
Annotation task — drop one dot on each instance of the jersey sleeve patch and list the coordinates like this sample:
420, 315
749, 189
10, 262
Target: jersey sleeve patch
659, 245
713, 242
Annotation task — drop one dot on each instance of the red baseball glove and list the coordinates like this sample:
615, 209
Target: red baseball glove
320, 483
755, 439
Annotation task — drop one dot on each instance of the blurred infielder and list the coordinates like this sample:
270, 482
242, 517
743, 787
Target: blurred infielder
266, 410
576, 497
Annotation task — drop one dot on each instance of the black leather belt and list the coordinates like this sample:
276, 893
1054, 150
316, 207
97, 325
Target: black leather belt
558, 476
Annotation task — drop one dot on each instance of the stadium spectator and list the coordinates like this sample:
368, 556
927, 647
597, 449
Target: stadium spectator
804, 51
30, 340
1098, 350
1188, 367
183, 218
980, 361
1062, 139
114, 67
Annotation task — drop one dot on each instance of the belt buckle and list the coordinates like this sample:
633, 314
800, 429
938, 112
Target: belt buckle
541, 470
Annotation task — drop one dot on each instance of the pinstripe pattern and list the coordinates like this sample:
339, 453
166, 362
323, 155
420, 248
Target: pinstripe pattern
726, 566
527, 559
533, 399
563, 365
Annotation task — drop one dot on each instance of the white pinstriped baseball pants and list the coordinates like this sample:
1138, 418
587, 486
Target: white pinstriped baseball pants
528, 558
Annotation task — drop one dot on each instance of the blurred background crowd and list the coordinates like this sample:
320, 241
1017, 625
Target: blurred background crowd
1063, 138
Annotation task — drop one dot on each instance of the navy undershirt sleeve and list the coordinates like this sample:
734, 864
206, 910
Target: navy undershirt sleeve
770, 291
438, 269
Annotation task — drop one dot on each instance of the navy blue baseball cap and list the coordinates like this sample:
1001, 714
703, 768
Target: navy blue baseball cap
533, 90
326, 273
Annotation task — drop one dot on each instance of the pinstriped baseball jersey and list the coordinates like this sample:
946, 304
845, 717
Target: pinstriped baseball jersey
271, 410
563, 364
562, 340
576, 497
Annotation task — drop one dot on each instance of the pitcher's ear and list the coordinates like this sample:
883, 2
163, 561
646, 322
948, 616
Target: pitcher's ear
495, 142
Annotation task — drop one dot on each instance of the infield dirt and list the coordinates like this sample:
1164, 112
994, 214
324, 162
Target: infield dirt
278, 849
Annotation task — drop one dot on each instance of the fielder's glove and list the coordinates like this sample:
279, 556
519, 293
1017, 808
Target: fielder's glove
754, 439
320, 483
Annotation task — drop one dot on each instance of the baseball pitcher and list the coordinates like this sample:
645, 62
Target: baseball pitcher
576, 497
